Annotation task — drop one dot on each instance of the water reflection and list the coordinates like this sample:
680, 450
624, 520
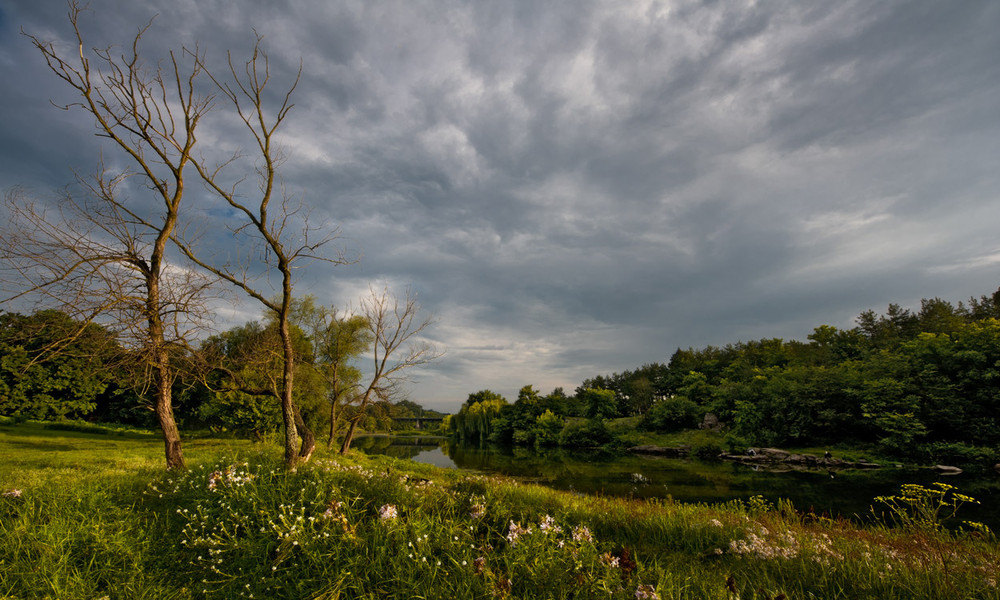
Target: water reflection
847, 493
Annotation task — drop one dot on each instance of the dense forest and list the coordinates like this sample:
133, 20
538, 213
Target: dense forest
916, 385
54, 368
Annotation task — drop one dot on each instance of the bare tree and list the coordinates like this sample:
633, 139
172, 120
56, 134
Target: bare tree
396, 349
276, 231
107, 256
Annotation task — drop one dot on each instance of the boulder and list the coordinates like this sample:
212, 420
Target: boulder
947, 469
711, 423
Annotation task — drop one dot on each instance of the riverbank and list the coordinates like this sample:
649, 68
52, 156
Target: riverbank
237, 526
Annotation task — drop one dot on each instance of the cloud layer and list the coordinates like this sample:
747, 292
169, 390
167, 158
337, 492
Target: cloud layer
575, 188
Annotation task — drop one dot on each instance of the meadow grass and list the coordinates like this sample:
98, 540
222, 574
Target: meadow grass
85, 515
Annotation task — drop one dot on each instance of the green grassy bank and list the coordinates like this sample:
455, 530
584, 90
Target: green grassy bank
89, 515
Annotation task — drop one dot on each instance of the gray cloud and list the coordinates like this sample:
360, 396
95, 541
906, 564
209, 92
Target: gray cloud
582, 187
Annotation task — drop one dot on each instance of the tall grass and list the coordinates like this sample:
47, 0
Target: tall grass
237, 525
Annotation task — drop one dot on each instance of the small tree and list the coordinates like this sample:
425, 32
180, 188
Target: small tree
338, 340
243, 368
396, 349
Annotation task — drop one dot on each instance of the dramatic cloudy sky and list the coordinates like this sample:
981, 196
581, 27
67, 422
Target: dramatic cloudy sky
580, 187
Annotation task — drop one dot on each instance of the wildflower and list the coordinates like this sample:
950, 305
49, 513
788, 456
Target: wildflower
388, 511
582, 534
548, 524
15, 493
609, 560
646, 592
477, 511
515, 531
479, 564
716, 523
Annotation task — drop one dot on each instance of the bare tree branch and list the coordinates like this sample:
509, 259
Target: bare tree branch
395, 328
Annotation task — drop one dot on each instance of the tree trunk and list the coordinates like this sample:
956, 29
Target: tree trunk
308, 439
349, 437
333, 425
165, 416
162, 372
288, 412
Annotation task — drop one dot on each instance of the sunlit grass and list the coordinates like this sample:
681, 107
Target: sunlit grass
112, 523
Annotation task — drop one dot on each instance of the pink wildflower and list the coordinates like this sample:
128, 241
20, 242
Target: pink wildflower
388, 511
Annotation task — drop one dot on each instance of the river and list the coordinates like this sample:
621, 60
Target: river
847, 493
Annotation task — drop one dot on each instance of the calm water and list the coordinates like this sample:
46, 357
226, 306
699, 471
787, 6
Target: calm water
845, 493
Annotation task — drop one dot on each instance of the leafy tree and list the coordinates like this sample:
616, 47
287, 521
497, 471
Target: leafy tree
601, 404
247, 364
38, 384
886, 404
475, 420
672, 414
547, 428
986, 307
339, 341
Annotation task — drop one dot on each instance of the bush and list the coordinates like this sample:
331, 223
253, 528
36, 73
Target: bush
547, 428
960, 454
591, 434
706, 451
673, 414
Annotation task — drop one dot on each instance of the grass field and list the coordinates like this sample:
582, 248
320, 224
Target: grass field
92, 514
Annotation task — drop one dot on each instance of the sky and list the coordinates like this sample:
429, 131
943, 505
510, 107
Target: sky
579, 187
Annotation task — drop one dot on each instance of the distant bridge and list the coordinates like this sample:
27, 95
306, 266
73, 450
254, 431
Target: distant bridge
420, 422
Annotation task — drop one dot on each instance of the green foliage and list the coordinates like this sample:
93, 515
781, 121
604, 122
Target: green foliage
957, 453
52, 367
245, 384
600, 403
593, 433
475, 421
706, 451
904, 381
672, 414
547, 428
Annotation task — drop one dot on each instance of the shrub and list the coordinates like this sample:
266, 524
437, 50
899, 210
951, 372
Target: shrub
706, 451
673, 414
960, 454
590, 434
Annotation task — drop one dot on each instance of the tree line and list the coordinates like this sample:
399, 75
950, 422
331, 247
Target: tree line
920, 385
54, 368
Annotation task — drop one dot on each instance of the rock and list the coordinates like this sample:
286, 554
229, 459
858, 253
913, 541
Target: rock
774, 453
801, 459
711, 423
947, 469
